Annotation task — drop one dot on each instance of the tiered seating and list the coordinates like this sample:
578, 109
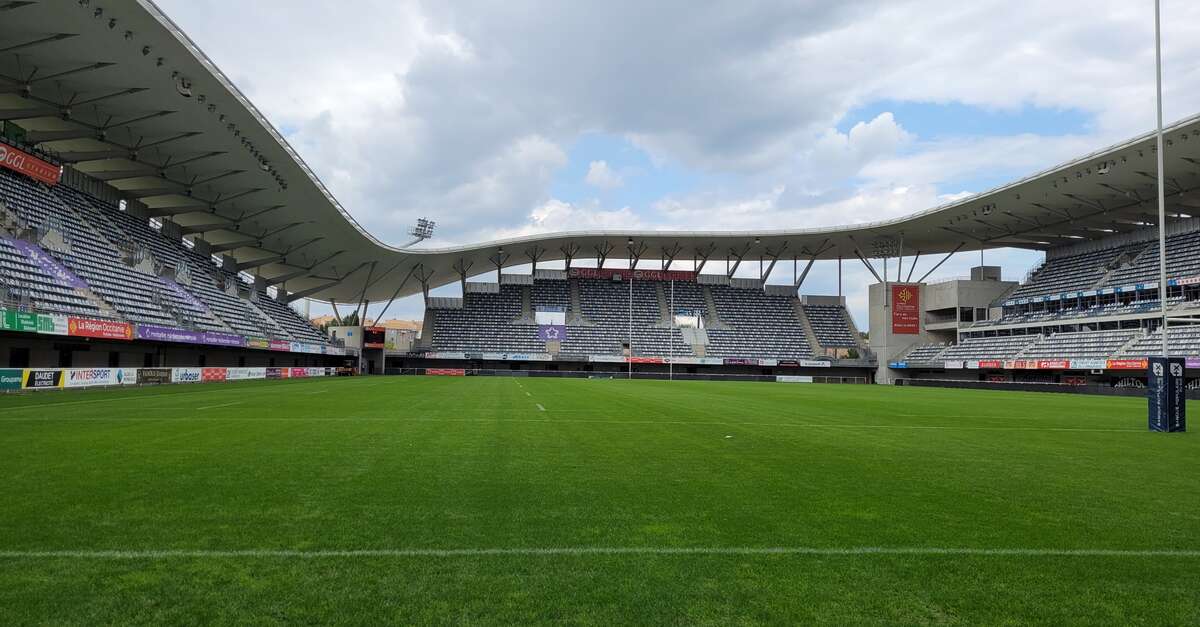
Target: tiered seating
831, 326
1180, 341
288, 321
924, 353
1068, 273
756, 324
1079, 344
94, 230
763, 325
999, 347
484, 324
45, 294
134, 295
1183, 260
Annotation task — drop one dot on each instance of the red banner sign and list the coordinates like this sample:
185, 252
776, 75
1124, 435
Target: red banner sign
446, 372
638, 275
906, 309
297, 373
279, 345
990, 363
1053, 364
29, 165
1126, 364
213, 374
104, 329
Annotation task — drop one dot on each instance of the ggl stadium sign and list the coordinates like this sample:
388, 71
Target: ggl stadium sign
29, 165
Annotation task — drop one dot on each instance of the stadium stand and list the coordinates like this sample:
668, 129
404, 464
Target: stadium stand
122, 262
751, 322
831, 325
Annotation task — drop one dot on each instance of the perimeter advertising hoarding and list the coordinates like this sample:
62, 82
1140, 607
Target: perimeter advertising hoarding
906, 309
739, 361
186, 375
156, 376
1166, 393
43, 379
638, 275
1053, 364
19, 321
793, 379
1125, 364
297, 373
11, 378
34, 167
243, 374
93, 377
213, 374
102, 329
1088, 364
275, 373
279, 345
991, 363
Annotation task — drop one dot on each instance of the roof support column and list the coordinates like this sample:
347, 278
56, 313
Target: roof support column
497, 260
461, 267
735, 255
669, 255
912, 267
774, 255
602, 253
635, 254
803, 275
537, 253
703, 257
939, 264
569, 251
870, 268
397, 292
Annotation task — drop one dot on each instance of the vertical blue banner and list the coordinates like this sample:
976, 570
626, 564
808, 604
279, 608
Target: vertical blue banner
1166, 393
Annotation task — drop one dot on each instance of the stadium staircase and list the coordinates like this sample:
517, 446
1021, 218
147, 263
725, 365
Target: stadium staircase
713, 319
575, 315
666, 318
806, 324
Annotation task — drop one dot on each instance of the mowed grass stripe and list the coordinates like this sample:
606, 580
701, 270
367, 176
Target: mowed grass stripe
158, 554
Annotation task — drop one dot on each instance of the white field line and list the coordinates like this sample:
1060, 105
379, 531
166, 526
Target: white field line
798, 425
220, 405
529, 395
599, 550
316, 392
540, 408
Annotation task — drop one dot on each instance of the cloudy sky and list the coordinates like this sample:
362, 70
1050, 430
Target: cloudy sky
506, 118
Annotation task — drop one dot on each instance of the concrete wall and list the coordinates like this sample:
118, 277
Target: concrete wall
886, 345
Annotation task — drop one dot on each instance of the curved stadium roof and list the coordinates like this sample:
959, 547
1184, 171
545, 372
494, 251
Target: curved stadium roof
115, 90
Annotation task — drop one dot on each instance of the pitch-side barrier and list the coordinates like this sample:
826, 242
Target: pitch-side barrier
583, 374
41, 379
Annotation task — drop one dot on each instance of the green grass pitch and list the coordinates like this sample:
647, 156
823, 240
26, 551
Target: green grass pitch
513, 500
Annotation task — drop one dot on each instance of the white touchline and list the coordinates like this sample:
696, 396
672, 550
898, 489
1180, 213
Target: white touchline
540, 408
597, 550
221, 405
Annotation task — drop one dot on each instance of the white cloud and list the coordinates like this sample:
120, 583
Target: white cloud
602, 176
465, 111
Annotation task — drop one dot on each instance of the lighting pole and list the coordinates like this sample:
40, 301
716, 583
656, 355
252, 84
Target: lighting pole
671, 337
630, 375
1162, 202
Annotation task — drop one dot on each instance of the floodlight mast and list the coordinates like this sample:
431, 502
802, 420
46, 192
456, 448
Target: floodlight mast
421, 231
